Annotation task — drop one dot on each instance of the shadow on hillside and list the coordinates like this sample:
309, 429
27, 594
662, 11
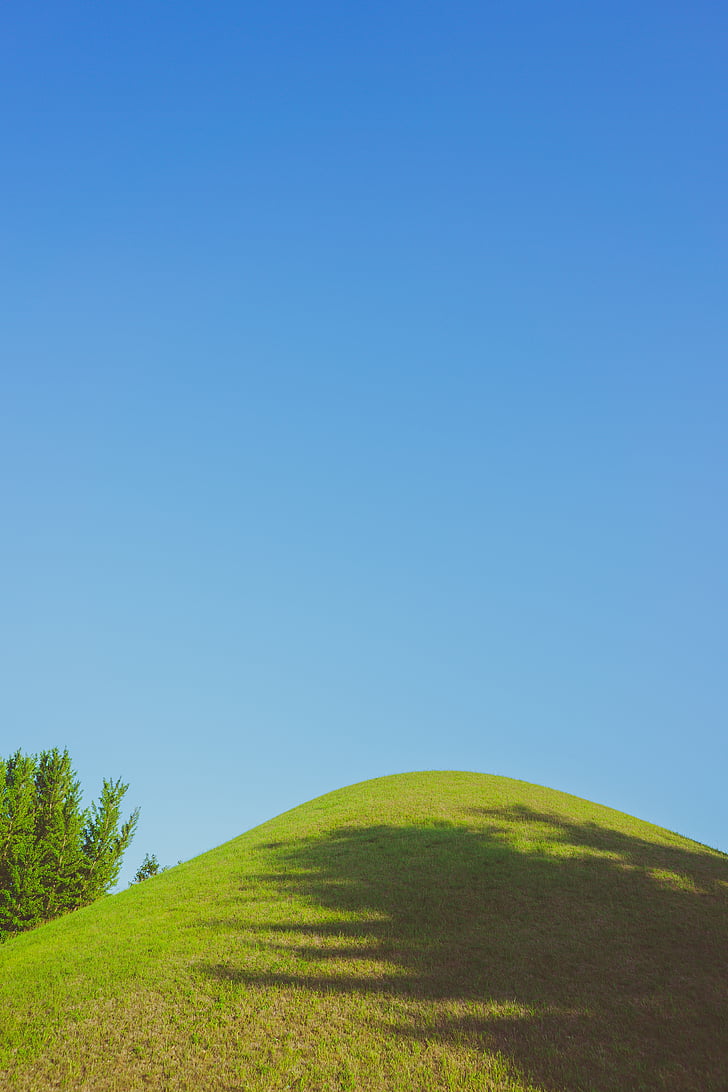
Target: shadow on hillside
591, 959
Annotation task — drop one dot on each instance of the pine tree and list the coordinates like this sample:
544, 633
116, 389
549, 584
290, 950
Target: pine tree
20, 885
103, 842
148, 868
58, 828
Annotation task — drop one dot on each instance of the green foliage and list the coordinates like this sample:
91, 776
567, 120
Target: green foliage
54, 856
149, 867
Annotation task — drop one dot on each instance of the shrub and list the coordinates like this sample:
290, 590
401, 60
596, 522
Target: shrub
148, 867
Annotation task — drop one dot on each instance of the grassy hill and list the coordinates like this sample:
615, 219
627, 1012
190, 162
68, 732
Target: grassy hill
423, 931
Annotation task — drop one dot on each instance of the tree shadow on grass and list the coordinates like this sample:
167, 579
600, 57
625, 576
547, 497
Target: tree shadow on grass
592, 959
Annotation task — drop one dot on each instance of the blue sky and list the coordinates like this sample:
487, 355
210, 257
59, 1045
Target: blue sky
362, 401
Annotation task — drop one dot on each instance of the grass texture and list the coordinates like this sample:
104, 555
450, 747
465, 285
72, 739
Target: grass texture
418, 932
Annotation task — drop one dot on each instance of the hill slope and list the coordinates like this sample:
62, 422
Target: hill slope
422, 931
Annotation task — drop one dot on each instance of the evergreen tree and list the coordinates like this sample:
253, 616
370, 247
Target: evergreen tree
54, 856
148, 868
58, 828
20, 890
103, 842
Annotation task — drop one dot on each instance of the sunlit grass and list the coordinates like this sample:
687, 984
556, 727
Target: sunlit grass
425, 931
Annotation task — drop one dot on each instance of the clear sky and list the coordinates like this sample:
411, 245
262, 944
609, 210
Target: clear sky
363, 401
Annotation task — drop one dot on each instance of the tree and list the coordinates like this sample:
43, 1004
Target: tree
148, 867
103, 842
19, 885
58, 830
55, 856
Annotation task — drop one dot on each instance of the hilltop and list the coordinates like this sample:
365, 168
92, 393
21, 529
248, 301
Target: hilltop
437, 930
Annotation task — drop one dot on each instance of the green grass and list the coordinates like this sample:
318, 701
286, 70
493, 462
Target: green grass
418, 932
